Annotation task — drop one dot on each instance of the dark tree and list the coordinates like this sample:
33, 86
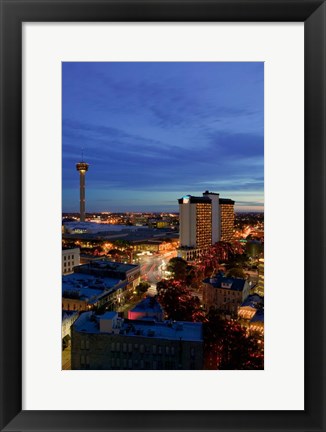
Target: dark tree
142, 288
178, 267
227, 345
178, 302
236, 272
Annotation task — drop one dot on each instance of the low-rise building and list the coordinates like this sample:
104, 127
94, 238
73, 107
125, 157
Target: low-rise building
111, 269
70, 259
259, 289
98, 284
109, 342
225, 293
251, 314
68, 318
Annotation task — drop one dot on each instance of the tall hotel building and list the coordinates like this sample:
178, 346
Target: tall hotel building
227, 219
203, 220
195, 225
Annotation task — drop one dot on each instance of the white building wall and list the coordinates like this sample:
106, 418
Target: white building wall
187, 213
67, 322
193, 225
70, 259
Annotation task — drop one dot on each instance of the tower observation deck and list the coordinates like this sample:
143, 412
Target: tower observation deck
82, 167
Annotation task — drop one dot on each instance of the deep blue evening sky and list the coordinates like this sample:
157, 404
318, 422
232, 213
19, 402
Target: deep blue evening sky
153, 132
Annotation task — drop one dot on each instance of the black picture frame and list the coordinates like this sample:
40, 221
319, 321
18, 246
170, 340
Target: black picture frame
13, 14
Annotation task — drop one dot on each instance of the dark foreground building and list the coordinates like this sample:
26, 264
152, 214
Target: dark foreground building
109, 342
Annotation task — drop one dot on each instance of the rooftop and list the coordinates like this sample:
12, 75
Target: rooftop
82, 230
219, 281
194, 200
88, 287
109, 315
94, 227
168, 330
148, 304
254, 301
105, 264
258, 317
210, 193
68, 313
226, 201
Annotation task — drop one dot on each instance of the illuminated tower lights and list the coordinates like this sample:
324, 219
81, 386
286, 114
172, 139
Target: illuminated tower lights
82, 167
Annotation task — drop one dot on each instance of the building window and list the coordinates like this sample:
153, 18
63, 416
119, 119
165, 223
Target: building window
87, 344
82, 344
141, 348
82, 360
112, 347
124, 347
172, 351
154, 349
130, 347
167, 350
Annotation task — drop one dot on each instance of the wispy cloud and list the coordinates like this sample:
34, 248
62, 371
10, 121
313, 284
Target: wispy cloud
164, 127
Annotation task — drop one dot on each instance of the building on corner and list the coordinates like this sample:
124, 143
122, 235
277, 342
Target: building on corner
110, 342
225, 293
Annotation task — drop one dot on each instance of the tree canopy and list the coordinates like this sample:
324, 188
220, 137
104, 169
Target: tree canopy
178, 267
142, 287
178, 302
236, 272
228, 345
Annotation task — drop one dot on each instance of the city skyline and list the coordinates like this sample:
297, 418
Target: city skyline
152, 132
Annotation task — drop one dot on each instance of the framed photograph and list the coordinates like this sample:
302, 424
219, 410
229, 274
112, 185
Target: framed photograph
162, 217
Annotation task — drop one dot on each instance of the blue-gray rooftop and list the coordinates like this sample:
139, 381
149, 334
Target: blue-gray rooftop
148, 304
88, 322
88, 287
233, 284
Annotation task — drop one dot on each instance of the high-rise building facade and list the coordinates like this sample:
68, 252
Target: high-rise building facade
227, 219
216, 217
204, 221
195, 225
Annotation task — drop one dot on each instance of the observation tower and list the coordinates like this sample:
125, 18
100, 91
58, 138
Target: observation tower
82, 167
